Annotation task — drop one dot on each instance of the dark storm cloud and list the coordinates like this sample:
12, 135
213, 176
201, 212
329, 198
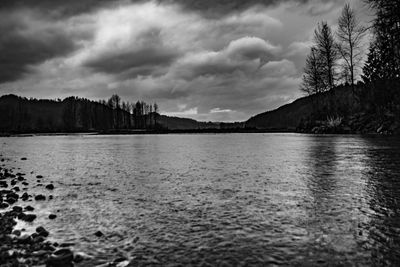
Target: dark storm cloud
56, 8
141, 62
22, 45
221, 7
73, 7
146, 56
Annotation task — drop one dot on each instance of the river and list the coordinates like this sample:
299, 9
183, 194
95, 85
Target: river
219, 199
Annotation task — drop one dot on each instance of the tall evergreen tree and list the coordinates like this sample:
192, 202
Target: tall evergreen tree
384, 58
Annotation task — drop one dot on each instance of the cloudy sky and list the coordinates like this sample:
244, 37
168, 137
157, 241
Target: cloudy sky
219, 60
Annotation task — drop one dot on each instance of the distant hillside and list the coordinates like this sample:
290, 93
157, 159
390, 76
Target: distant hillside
373, 108
289, 117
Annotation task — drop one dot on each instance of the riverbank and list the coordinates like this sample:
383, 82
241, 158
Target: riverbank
22, 247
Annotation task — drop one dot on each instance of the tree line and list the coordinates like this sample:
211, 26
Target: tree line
336, 59
19, 114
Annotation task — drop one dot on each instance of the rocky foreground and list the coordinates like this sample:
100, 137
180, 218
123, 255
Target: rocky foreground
19, 248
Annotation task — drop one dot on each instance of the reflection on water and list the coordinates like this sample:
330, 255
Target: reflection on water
238, 199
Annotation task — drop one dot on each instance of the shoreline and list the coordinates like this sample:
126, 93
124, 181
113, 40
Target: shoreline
20, 247
203, 131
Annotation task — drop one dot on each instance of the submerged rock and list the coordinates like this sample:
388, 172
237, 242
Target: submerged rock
50, 186
27, 217
60, 258
98, 234
42, 232
40, 197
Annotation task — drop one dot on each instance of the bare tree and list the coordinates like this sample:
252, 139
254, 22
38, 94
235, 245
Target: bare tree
312, 77
327, 49
350, 34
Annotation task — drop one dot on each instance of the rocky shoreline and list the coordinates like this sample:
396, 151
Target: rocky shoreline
20, 248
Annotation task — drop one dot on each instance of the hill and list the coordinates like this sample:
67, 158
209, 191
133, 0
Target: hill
373, 109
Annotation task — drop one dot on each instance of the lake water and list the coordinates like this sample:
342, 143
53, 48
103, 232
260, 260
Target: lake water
219, 200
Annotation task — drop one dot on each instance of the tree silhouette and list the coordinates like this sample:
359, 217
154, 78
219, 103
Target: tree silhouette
350, 34
327, 50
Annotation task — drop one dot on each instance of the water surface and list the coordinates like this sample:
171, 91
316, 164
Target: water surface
228, 199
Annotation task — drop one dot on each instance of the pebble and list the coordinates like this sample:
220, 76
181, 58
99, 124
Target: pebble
60, 258
50, 186
27, 217
98, 234
42, 232
40, 197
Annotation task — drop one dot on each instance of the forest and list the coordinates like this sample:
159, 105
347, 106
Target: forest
73, 114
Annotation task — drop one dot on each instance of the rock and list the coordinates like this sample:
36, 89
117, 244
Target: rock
52, 216
23, 158
51, 197
11, 200
60, 258
24, 239
40, 253
65, 245
4, 205
16, 189
39, 239
98, 234
25, 183
42, 232
17, 209
80, 256
50, 186
39, 176
3, 184
27, 217
16, 232
25, 196
40, 197
29, 208
20, 178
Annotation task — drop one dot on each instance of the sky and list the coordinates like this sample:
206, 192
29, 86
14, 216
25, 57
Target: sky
210, 60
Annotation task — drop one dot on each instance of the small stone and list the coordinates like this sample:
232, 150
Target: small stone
25, 183
39, 176
24, 239
39, 239
16, 232
11, 200
52, 216
27, 217
16, 189
41, 231
40, 197
20, 178
61, 257
25, 196
13, 182
17, 209
50, 186
98, 234
23, 158
4, 205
